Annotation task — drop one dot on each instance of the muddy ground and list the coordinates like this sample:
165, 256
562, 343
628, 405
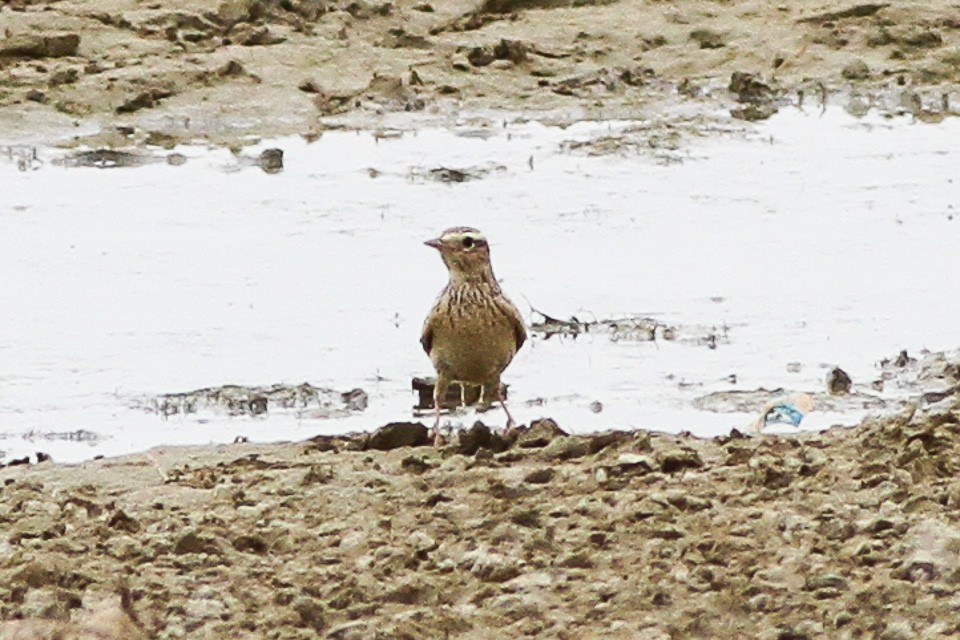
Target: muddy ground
164, 71
851, 533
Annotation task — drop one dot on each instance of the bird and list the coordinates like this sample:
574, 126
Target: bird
473, 330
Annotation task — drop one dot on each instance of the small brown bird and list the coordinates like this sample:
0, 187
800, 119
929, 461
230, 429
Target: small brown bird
473, 330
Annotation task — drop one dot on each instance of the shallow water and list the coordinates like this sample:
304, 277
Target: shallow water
816, 239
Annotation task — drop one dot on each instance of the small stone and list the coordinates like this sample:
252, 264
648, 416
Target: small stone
843, 618
540, 476
480, 56
491, 567
601, 441
121, 521
577, 560
754, 112
919, 567
512, 50
566, 448
250, 543
668, 533
417, 464
899, 630
399, 434
749, 87
192, 543
35, 46
480, 437
422, 542
680, 459
460, 63
634, 463
826, 580
355, 399
856, 70
539, 434
311, 613
64, 76
707, 39
252, 36
47, 572
271, 161
526, 518
838, 382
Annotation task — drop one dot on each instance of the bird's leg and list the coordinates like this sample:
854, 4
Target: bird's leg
511, 423
439, 392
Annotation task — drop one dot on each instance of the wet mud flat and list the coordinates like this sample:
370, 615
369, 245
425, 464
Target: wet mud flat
848, 533
226, 70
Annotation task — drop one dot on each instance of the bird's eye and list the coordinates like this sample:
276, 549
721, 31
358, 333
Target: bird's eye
468, 242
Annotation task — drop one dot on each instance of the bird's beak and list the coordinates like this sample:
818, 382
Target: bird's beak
435, 243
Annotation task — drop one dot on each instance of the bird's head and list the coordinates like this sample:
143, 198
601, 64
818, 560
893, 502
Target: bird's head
465, 252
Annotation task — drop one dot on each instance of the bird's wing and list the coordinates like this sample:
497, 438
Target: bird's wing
516, 321
426, 336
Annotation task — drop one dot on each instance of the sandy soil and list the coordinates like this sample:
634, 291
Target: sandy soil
170, 70
852, 533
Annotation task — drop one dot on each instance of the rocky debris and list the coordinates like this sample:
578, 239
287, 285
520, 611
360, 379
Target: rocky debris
457, 395
838, 382
329, 103
399, 434
541, 60
933, 377
842, 527
254, 36
511, 6
40, 46
856, 11
708, 39
269, 160
146, 99
109, 619
756, 96
109, 159
237, 400
513, 51
398, 38
539, 434
481, 437
600, 82
391, 93
856, 70
756, 400
456, 175
749, 87
640, 328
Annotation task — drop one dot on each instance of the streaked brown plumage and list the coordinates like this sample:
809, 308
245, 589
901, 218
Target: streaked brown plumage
473, 330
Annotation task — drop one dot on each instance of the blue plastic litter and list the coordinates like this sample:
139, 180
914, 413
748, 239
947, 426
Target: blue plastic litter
783, 413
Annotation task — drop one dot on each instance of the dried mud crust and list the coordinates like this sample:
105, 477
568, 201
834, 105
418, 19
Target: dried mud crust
847, 533
226, 69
